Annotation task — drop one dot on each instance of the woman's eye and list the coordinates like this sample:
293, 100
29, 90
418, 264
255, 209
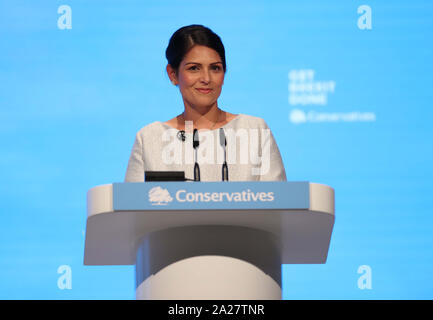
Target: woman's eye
194, 68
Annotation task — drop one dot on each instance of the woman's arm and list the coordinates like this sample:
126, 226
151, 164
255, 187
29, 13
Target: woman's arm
135, 170
271, 166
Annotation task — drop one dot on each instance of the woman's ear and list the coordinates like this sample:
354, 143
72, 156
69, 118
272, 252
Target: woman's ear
172, 74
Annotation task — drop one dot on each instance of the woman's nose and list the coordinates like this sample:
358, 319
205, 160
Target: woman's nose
205, 76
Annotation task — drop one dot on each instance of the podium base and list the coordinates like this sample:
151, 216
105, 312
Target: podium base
209, 263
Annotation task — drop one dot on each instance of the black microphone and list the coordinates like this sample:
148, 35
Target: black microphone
223, 142
181, 135
195, 144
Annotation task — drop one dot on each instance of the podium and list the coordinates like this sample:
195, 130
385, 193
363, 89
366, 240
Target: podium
209, 240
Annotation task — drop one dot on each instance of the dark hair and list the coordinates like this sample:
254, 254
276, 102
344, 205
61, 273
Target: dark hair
186, 37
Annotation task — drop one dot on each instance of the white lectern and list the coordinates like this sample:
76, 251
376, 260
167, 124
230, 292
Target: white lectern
208, 240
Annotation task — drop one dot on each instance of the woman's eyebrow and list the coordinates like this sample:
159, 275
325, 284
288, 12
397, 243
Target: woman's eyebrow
218, 62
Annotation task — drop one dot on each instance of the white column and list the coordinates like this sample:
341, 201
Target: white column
207, 263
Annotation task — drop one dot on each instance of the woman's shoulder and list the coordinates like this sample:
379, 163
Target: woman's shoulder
249, 121
154, 128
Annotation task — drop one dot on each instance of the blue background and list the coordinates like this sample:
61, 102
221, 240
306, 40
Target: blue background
72, 100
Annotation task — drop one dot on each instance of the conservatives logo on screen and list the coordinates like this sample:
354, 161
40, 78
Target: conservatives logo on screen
159, 196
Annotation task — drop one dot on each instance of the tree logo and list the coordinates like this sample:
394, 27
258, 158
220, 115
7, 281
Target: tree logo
159, 196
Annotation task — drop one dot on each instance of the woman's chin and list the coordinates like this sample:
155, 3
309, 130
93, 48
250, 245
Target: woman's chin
203, 106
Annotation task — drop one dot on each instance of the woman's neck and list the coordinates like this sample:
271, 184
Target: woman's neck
202, 119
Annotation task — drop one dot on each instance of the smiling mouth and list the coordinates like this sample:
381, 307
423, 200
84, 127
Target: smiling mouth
205, 91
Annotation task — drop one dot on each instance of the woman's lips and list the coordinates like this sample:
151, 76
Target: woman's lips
205, 91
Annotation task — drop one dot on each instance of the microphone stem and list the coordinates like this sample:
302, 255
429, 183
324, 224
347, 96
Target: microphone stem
196, 172
196, 167
225, 172
225, 169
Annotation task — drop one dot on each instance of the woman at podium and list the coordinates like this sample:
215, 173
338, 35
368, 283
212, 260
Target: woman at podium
204, 137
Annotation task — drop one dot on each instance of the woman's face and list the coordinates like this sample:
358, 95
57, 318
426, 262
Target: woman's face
200, 77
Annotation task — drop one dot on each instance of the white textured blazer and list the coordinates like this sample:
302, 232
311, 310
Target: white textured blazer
251, 152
